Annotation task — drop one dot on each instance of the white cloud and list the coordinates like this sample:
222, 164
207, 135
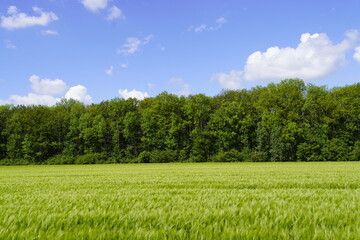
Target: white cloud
133, 45
124, 93
49, 32
231, 80
162, 48
33, 99
204, 27
44, 92
79, 93
147, 39
95, 5
151, 85
184, 88
357, 54
4, 102
109, 71
124, 65
114, 13
9, 44
314, 57
184, 91
12, 10
201, 28
47, 86
221, 20
22, 20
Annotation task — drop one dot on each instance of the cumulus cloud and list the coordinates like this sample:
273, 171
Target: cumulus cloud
204, 27
22, 20
33, 99
45, 91
47, 86
49, 32
231, 80
114, 13
95, 5
109, 71
4, 102
133, 45
79, 93
315, 57
124, 93
357, 54
9, 44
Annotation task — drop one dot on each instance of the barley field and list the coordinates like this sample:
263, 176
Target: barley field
181, 201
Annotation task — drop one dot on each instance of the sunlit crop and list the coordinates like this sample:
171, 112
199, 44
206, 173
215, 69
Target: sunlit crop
181, 201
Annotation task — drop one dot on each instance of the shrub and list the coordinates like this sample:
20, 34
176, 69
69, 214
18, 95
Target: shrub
8, 162
164, 156
144, 157
91, 158
258, 156
60, 160
228, 156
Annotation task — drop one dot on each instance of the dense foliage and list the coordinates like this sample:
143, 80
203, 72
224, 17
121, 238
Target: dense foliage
312, 200
288, 121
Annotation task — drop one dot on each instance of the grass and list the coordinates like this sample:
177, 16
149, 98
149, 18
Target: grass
181, 201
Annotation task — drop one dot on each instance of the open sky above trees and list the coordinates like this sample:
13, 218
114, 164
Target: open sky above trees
94, 50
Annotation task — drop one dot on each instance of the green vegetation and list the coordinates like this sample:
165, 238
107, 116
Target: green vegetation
181, 201
288, 121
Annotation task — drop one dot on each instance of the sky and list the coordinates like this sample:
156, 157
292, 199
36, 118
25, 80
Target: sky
96, 50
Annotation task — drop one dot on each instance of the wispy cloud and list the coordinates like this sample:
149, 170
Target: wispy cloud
133, 45
162, 48
109, 71
9, 44
180, 83
205, 27
17, 20
115, 13
231, 80
49, 32
124, 65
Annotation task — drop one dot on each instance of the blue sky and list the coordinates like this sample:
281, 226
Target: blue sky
94, 50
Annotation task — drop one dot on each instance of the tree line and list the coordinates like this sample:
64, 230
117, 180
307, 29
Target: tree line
287, 121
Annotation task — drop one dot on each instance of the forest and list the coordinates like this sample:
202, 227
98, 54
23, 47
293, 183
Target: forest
285, 121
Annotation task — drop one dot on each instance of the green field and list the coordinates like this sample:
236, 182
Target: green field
181, 201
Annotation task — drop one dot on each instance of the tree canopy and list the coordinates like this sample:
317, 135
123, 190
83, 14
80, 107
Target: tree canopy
287, 121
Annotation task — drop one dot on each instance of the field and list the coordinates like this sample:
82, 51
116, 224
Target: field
181, 201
